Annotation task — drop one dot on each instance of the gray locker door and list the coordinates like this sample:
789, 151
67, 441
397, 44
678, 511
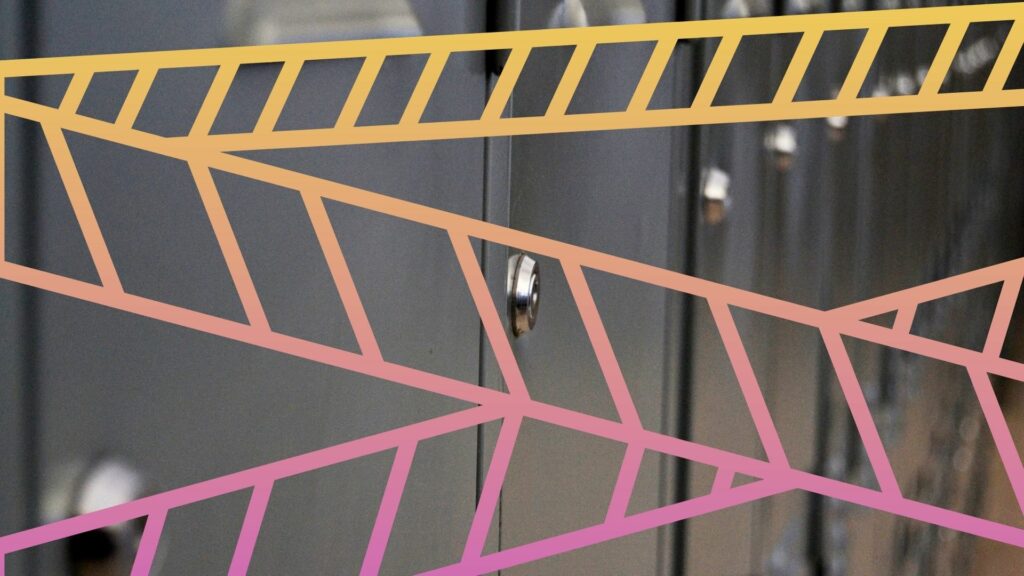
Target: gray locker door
182, 406
930, 210
740, 249
789, 197
842, 178
616, 192
15, 314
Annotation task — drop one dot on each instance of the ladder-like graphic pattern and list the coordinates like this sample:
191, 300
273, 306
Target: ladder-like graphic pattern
519, 45
774, 475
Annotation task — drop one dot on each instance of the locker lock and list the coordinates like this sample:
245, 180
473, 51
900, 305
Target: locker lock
837, 127
837, 124
714, 194
780, 141
111, 549
579, 13
523, 287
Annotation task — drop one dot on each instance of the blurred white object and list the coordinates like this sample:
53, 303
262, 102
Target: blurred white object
578, 13
275, 22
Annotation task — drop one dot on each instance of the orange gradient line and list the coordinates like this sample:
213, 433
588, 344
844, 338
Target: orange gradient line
424, 88
214, 100
346, 287
76, 91
944, 58
862, 63
652, 75
1003, 314
1007, 56
904, 318
716, 71
493, 327
499, 97
272, 109
602, 344
798, 66
570, 79
83, 209
136, 97
229, 246
360, 91
3, 179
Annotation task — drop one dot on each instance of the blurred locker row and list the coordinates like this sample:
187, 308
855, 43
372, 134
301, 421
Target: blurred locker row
101, 406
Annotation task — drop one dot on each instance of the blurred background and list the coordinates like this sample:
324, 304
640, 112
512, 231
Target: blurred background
98, 406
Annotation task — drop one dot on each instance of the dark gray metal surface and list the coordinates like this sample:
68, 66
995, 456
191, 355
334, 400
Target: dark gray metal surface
863, 208
15, 438
184, 406
614, 192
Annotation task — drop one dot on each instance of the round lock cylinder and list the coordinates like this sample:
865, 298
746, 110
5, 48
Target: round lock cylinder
715, 198
780, 141
837, 126
111, 549
523, 288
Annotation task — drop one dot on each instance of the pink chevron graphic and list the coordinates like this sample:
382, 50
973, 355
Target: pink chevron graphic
514, 406
774, 475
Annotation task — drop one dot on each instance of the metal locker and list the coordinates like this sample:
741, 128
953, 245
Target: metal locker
615, 192
15, 316
822, 212
742, 249
180, 407
840, 452
919, 197
803, 259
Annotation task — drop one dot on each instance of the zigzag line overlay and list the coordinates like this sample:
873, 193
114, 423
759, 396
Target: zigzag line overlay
494, 122
512, 407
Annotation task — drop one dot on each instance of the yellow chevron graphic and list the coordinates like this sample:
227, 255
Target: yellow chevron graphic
519, 45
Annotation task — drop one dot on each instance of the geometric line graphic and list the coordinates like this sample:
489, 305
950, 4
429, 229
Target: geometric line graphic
664, 36
773, 475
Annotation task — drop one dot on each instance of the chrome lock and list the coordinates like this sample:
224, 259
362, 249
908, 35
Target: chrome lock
109, 550
780, 141
523, 289
837, 127
837, 124
715, 199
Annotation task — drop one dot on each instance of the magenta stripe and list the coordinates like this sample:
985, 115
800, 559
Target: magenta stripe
748, 382
149, 543
860, 411
491, 490
388, 509
250, 528
610, 530
623, 490
1002, 315
905, 318
1005, 446
247, 478
927, 292
723, 480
